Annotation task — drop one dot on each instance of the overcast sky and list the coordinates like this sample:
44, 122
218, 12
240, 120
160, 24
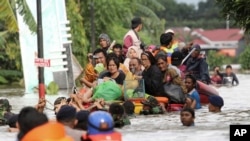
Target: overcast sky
195, 2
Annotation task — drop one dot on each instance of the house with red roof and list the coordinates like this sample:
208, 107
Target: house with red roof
227, 41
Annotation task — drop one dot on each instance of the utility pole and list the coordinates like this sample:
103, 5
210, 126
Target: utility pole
227, 22
92, 22
40, 49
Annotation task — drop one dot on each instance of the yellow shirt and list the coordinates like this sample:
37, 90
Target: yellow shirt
123, 68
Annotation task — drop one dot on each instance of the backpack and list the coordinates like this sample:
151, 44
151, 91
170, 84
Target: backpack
121, 120
151, 106
174, 93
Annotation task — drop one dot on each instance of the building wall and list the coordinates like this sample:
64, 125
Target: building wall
241, 47
228, 52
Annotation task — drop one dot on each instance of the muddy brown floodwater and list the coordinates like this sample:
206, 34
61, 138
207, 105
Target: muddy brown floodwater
167, 127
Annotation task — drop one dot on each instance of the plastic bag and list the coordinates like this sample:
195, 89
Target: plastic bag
107, 90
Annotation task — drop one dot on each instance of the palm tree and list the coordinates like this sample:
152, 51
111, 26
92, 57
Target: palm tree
9, 42
80, 44
152, 23
7, 13
113, 17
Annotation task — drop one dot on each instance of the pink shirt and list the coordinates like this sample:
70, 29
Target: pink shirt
128, 41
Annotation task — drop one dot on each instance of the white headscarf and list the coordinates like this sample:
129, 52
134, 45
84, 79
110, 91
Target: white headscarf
136, 49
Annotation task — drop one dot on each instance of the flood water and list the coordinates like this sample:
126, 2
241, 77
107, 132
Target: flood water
167, 127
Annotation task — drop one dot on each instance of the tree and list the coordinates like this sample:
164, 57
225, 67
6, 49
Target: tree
109, 16
153, 24
245, 58
80, 43
215, 59
23, 9
10, 56
113, 18
7, 16
207, 15
208, 9
238, 10
9, 42
175, 11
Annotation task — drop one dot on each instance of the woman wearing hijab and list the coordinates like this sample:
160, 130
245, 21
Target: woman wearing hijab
104, 41
151, 74
133, 52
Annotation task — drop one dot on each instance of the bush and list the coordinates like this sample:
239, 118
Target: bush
215, 59
245, 58
52, 88
3, 80
10, 76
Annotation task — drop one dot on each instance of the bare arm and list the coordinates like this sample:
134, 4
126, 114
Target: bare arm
87, 96
87, 83
41, 105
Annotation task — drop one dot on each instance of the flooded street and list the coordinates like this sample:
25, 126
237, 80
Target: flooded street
208, 126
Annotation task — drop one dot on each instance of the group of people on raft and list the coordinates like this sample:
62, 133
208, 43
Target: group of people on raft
87, 117
156, 66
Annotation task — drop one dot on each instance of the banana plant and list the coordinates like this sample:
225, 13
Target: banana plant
10, 56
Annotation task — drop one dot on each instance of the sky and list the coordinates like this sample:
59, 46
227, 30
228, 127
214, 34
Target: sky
195, 2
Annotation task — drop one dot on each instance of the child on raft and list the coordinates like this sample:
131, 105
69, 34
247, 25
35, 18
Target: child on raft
193, 98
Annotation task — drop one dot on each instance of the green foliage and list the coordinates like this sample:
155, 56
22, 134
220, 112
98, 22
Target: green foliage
52, 88
80, 43
216, 59
116, 25
3, 80
7, 15
238, 10
145, 8
208, 9
10, 56
28, 18
9, 76
174, 11
3, 35
200, 23
111, 17
245, 58
118, 36
153, 25
207, 15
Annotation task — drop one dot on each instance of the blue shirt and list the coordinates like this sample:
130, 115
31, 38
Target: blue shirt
195, 95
